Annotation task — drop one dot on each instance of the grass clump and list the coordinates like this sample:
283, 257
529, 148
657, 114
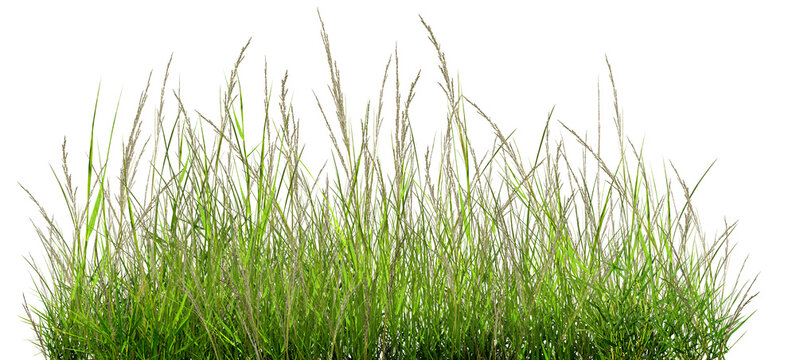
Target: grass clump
237, 250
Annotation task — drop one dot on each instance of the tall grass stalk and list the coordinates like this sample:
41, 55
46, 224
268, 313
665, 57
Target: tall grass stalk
235, 249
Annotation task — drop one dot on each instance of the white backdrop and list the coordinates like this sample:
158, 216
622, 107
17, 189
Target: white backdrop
697, 82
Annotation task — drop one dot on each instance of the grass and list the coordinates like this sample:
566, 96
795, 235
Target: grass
237, 250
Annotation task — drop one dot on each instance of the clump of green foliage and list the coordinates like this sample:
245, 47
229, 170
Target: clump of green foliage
235, 250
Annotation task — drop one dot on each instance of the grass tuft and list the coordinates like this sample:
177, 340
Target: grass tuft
237, 250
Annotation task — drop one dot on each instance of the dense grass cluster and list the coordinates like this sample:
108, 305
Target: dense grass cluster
236, 250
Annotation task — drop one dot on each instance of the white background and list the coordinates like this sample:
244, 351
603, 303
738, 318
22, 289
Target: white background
697, 82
